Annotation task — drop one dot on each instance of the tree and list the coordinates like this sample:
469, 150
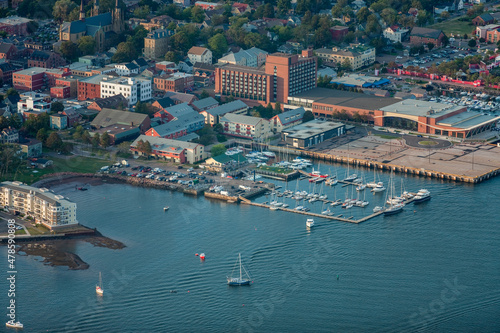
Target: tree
54, 141
277, 108
204, 94
12, 92
96, 140
284, 6
308, 116
62, 9
56, 107
430, 46
78, 132
105, 140
218, 150
86, 45
197, 14
42, 135
362, 14
445, 15
218, 45
142, 12
124, 52
346, 64
472, 43
86, 138
69, 50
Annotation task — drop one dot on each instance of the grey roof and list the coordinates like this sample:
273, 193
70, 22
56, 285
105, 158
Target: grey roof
180, 109
241, 119
486, 17
42, 193
227, 108
162, 144
90, 25
181, 123
108, 117
345, 98
291, 116
131, 66
466, 120
177, 96
426, 32
421, 108
5, 47
205, 103
311, 128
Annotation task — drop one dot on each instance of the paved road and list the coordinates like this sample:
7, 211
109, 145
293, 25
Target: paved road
413, 141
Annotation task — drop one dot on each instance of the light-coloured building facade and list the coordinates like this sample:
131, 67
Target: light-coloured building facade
41, 204
245, 126
396, 34
357, 55
156, 44
200, 54
34, 101
133, 89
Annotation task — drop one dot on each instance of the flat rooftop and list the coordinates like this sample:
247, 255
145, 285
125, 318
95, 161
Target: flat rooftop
422, 108
243, 69
311, 128
344, 98
468, 120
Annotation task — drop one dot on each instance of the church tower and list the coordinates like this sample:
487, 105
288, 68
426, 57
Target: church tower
95, 11
118, 19
82, 12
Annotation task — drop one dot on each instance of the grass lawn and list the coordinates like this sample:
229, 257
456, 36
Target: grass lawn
384, 136
38, 230
454, 27
75, 164
274, 169
427, 143
20, 232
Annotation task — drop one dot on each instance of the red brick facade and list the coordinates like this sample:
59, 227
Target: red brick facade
88, 91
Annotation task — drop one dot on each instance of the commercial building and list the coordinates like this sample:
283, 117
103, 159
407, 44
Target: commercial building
90, 87
120, 125
60, 92
311, 133
6, 71
133, 89
422, 36
156, 44
182, 119
32, 101
212, 115
42, 205
36, 78
171, 150
287, 119
284, 75
14, 25
253, 57
360, 81
357, 55
174, 82
45, 59
205, 104
245, 126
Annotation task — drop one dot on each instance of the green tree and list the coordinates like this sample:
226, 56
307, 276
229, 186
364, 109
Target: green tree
56, 107
284, 6
218, 45
96, 140
86, 138
204, 94
105, 140
42, 135
12, 92
362, 14
62, 9
142, 12
346, 64
308, 116
86, 45
472, 43
218, 150
124, 52
54, 141
69, 50
77, 135
430, 46
197, 14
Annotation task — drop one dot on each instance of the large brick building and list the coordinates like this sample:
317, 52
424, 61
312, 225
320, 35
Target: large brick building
156, 44
174, 82
45, 59
90, 87
284, 75
14, 25
421, 36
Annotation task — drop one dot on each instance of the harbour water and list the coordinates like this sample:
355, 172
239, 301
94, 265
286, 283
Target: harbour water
432, 268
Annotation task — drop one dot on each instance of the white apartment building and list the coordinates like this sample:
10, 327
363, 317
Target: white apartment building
41, 204
245, 126
126, 69
33, 101
200, 54
133, 89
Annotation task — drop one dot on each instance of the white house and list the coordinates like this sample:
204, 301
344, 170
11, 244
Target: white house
200, 54
126, 69
395, 34
287, 119
32, 101
133, 89
245, 126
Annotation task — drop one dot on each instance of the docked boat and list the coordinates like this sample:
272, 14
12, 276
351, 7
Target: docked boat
394, 209
360, 187
12, 324
274, 208
310, 223
421, 196
331, 181
378, 188
378, 209
166, 208
239, 281
98, 289
350, 178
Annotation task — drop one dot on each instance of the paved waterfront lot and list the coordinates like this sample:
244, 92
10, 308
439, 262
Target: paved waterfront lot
459, 159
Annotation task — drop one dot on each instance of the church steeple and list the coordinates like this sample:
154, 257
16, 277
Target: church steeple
95, 12
118, 19
82, 12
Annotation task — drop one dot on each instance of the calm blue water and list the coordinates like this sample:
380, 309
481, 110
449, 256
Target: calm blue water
433, 268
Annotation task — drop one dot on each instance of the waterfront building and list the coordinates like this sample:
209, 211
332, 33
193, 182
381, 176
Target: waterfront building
245, 126
41, 204
311, 133
213, 115
120, 125
287, 119
171, 150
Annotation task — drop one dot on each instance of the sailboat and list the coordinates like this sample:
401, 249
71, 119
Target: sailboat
239, 281
12, 324
394, 208
98, 288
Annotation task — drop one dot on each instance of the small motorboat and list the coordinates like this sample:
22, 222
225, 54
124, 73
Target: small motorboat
310, 223
166, 208
202, 256
12, 324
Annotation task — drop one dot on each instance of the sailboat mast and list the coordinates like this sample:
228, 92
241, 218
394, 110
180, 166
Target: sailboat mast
240, 265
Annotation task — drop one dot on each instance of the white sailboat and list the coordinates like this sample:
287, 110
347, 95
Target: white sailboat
393, 208
239, 281
16, 325
98, 288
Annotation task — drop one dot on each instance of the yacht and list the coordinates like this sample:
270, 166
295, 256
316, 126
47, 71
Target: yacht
422, 195
378, 188
310, 223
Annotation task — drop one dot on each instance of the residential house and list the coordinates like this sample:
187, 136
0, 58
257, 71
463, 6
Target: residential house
8, 51
245, 126
213, 115
45, 59
239, 8
58, 121
30, 147
9, 135
126, 69
286, 119
396, 34
171, 150
200, 54
73, 116
205, 104
112, 102
6, 70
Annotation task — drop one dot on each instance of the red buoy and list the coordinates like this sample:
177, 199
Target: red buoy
196, 254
